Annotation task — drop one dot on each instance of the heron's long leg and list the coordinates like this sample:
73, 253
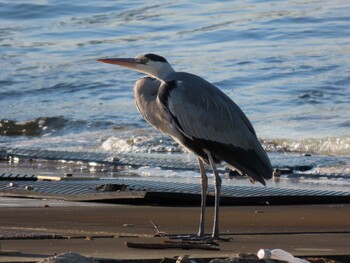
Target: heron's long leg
204, 184
217, 185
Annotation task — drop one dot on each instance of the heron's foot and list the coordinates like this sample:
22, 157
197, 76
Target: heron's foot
224, 239
211, 239
208, 239
192, 238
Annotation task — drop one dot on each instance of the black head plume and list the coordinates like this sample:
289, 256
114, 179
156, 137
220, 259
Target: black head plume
155, 57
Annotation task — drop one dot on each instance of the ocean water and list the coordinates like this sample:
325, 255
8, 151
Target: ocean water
285, 63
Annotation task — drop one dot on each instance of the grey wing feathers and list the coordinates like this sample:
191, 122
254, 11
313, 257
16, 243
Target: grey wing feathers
204, 113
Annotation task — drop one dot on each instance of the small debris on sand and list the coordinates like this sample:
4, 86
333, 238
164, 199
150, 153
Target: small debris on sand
68, 258
111, 187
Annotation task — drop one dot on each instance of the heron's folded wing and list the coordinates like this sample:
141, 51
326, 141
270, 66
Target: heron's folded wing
203, 111
208, 117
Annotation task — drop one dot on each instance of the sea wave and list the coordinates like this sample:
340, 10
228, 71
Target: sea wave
152, 142
35, 127
133, 139
46, 126
324, 146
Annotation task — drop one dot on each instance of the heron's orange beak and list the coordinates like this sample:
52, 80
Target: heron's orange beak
124, 62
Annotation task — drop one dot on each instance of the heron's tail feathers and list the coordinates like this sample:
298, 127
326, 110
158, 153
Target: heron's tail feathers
253, 177
255, 164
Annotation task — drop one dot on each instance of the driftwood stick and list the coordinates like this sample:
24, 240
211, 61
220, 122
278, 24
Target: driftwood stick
171, 245
207, 242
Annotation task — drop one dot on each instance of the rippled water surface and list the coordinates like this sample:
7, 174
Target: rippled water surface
286, 63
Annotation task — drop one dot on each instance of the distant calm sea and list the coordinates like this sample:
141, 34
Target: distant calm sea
285, 63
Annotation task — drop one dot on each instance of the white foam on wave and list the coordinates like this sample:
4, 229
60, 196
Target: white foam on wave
140, 140
115, 143
325, 145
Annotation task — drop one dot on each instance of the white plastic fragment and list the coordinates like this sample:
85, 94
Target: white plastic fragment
279, 254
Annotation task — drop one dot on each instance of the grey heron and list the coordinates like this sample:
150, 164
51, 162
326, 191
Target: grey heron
201, 118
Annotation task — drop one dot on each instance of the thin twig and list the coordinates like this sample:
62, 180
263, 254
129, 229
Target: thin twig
158, 232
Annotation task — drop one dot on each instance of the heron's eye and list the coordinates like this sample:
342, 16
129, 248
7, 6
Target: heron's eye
145, 60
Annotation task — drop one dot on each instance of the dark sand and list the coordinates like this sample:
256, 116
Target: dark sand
304, 230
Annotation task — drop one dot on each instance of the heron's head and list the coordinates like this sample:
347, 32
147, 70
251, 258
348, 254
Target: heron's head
151, 64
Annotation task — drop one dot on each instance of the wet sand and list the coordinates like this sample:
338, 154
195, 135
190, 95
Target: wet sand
101, 230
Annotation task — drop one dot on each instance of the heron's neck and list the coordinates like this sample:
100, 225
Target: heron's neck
163, 72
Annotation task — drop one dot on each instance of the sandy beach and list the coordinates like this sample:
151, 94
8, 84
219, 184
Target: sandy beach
34, 229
